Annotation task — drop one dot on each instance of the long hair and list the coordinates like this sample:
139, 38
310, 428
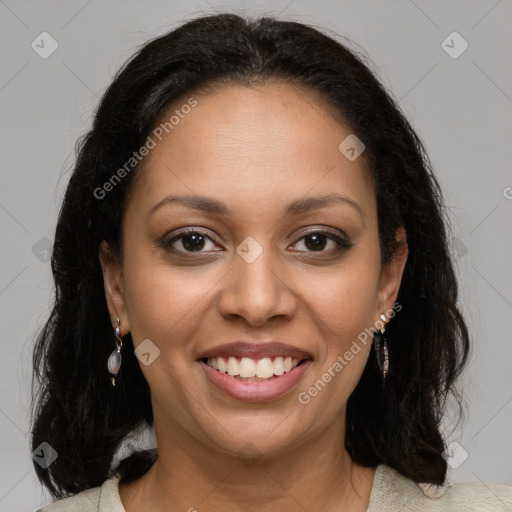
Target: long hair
75, 408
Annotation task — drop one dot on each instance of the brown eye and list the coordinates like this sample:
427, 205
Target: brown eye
193, 242
190, 241
317, 241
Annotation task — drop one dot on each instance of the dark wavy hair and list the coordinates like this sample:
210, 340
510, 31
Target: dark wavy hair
77, 411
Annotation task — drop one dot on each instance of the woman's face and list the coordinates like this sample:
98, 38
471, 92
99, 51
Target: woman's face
251, 271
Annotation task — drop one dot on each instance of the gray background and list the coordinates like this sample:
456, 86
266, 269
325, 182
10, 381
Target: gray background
460, 107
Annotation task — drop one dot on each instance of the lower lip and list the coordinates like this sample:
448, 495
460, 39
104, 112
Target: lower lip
262, 391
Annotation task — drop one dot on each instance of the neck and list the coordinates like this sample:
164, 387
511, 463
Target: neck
315, 475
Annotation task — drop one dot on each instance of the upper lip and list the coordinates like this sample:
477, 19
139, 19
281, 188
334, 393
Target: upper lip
255, 350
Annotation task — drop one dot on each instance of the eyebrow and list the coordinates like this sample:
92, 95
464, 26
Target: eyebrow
210, 205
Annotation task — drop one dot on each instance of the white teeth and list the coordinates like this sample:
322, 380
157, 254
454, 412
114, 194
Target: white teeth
264, 368
233, 367
220, 363
278, 366
247, 367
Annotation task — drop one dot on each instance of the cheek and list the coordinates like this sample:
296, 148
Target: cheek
164, 304
346, 307
349, 294
161, 299
346, 310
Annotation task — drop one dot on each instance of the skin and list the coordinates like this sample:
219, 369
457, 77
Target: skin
266, 145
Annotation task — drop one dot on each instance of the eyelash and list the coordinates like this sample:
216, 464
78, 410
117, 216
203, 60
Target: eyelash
341, 242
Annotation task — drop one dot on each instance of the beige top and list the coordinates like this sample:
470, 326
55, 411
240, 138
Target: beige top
391, 492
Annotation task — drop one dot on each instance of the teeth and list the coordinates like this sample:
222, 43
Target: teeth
278, 366
247, 367
233, 367
264, 368
220, 363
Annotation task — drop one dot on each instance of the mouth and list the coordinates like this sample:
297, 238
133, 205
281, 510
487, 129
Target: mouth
254, 380
247, 369
255, 371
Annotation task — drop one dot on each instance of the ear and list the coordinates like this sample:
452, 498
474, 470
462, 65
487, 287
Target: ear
391, 274
114, 289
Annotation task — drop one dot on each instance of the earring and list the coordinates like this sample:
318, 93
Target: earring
381, 349
114, 360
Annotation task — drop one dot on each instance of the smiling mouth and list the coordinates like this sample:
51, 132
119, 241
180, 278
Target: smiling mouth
254, 370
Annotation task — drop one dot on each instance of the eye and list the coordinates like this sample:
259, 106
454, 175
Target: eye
190, 241
317, 240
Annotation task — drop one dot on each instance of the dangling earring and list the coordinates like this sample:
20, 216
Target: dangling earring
114, 360
381, 349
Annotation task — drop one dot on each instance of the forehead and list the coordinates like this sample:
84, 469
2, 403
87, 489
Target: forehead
257, 143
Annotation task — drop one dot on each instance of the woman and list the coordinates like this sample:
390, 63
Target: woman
251, 256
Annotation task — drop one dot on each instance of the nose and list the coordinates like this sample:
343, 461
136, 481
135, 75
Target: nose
257, 291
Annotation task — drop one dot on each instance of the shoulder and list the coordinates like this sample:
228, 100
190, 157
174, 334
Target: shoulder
392, 489
84, 501
104, 498
478, 495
